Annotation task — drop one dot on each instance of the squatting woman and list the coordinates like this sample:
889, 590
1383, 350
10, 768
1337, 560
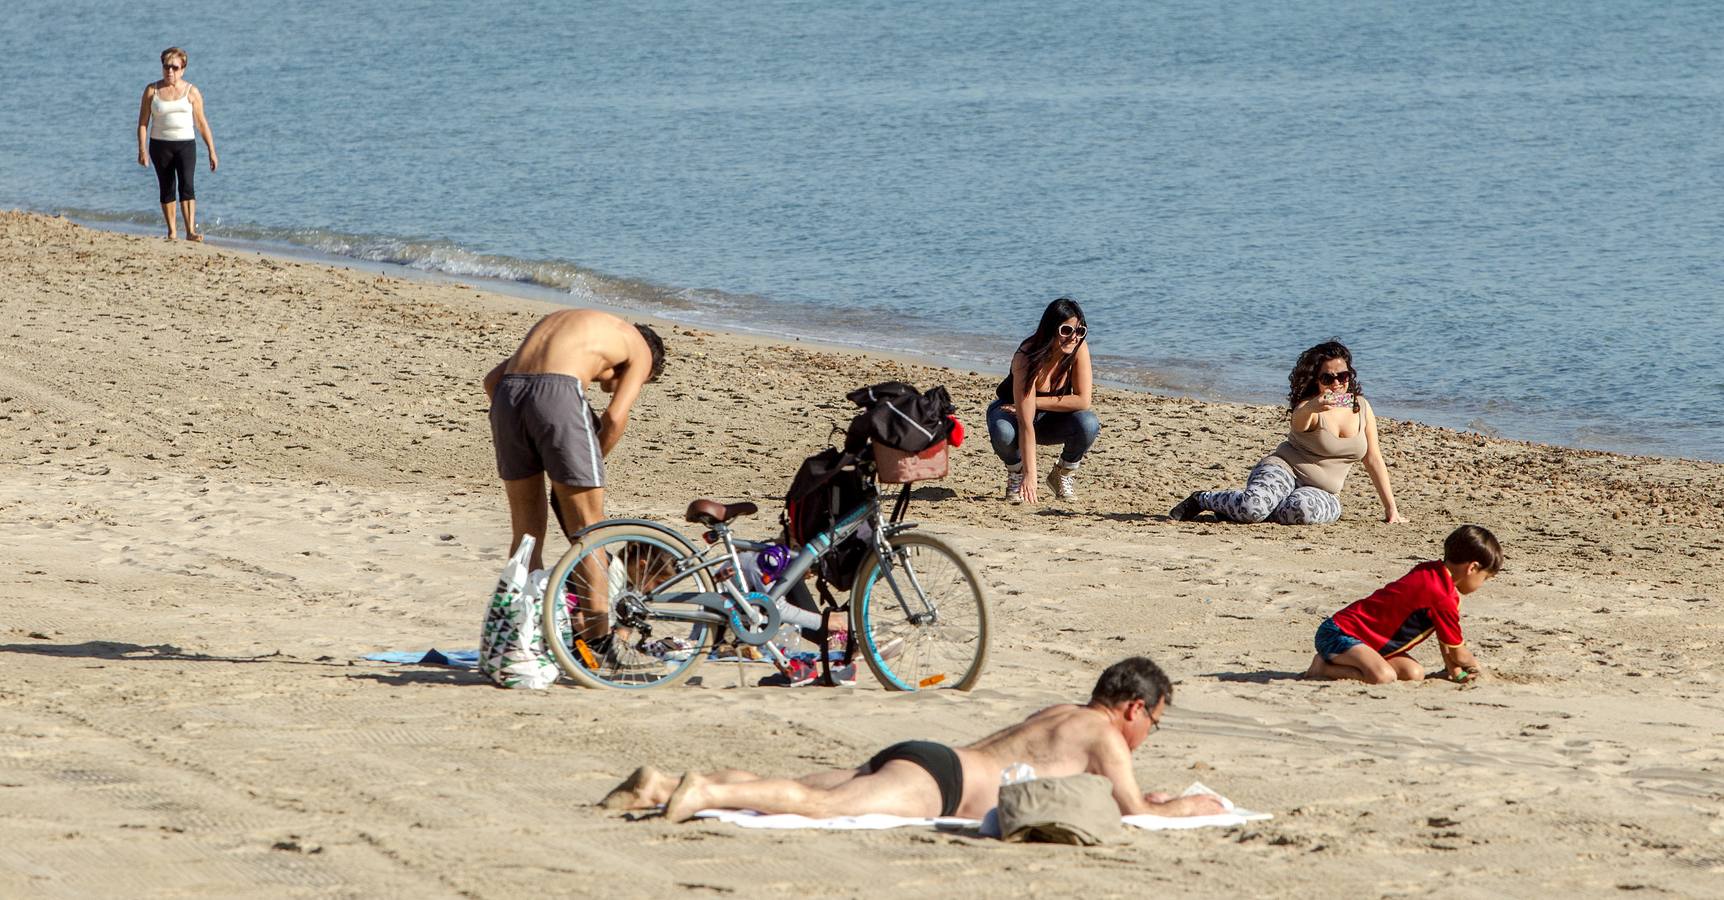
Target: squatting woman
1046, 400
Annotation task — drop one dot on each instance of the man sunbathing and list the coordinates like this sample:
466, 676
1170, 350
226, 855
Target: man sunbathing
924, 779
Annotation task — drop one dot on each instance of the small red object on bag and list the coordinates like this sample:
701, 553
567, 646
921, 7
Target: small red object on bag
957, 438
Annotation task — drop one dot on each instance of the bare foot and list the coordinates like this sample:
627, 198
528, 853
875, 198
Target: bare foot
685, 801
173, 235
1315, 671
646, 788
1194, 805
195, 236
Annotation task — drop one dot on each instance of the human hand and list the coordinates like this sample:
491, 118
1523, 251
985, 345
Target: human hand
1157, 798
1393, 517
1462, 674
1194, 805
213, 162
143, 160
1027, 490
1009, 408
1334, 400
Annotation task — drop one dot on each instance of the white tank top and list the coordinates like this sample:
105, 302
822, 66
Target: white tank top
171, 120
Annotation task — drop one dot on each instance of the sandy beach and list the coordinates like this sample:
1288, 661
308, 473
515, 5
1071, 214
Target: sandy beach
232, 476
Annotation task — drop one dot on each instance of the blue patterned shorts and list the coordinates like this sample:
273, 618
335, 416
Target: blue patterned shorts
1331, 641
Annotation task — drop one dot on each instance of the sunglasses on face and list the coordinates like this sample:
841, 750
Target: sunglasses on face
1334, 377
1067, 331
171, 67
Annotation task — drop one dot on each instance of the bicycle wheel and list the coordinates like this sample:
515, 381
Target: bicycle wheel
641, 652
930, 633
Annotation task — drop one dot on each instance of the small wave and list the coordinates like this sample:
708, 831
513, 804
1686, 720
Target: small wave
441, 257
1480, 426
105, 217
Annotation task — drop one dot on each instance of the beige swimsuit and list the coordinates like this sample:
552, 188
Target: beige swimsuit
1321, 458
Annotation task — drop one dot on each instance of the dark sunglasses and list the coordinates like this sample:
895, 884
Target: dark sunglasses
1073, 331
1334, 377
172, 68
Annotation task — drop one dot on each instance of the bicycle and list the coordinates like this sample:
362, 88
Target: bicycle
928, 628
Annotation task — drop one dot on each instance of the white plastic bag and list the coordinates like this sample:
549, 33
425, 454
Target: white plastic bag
511, 649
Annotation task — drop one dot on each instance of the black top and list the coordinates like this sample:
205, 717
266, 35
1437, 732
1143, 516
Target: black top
1064, 390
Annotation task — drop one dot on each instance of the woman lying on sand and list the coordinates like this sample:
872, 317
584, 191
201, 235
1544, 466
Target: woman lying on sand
1299, 483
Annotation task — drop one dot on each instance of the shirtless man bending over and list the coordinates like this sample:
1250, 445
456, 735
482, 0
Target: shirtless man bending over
542, 424
925, 779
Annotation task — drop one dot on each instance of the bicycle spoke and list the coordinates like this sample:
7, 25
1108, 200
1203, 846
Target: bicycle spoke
618, 568
925, 626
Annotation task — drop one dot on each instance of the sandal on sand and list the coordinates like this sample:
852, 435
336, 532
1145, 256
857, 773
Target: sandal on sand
797, 674
671, 648
806, 674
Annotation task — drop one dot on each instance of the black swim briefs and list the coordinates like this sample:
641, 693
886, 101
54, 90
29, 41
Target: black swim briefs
937, 760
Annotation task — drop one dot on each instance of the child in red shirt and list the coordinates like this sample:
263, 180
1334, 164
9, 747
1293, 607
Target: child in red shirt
1368, 641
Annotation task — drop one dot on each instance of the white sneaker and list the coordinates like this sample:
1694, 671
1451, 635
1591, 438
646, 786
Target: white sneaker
1063, 482
1014, 482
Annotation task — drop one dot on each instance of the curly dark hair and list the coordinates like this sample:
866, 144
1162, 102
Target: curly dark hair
656, 345
1302, 381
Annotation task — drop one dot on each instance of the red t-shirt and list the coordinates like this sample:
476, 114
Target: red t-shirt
1405, 611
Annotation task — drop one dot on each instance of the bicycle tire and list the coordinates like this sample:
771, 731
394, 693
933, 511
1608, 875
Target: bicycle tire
916, 662
580, 663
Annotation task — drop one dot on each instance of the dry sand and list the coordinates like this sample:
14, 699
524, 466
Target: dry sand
231, 476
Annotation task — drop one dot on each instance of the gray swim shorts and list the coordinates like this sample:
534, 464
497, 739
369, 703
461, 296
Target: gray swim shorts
542, 423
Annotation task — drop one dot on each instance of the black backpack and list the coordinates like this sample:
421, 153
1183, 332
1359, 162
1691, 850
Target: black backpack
827, 486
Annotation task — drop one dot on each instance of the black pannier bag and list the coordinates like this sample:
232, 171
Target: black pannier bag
828, 484
899, 416
825, 487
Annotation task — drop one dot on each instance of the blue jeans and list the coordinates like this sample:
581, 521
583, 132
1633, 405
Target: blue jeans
1076, 430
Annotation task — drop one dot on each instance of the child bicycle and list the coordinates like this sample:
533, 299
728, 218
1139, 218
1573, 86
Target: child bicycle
917, 613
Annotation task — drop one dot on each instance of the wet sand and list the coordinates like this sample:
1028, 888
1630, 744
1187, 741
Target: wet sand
233, 476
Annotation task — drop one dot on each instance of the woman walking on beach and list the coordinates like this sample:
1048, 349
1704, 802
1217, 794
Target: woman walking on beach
1046, 400
172, 107
1300, 482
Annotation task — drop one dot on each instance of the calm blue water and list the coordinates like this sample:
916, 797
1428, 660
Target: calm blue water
1513, 212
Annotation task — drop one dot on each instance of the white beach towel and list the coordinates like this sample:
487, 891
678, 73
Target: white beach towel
871, 822
989, 826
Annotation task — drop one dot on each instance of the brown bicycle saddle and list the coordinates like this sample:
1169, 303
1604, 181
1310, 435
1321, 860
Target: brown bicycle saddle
712, 512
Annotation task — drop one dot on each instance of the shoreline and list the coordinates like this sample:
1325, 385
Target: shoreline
1141, 379
236, 476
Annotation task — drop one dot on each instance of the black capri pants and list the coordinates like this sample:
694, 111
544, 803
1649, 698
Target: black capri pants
174, 160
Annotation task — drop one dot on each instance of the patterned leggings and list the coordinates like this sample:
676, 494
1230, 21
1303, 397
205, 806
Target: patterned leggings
1271, 495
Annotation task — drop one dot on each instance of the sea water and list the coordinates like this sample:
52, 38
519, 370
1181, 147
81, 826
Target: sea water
1511, 211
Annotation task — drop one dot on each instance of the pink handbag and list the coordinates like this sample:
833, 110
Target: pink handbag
894, 466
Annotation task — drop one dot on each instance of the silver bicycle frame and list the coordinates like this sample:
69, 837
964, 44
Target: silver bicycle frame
718, 607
